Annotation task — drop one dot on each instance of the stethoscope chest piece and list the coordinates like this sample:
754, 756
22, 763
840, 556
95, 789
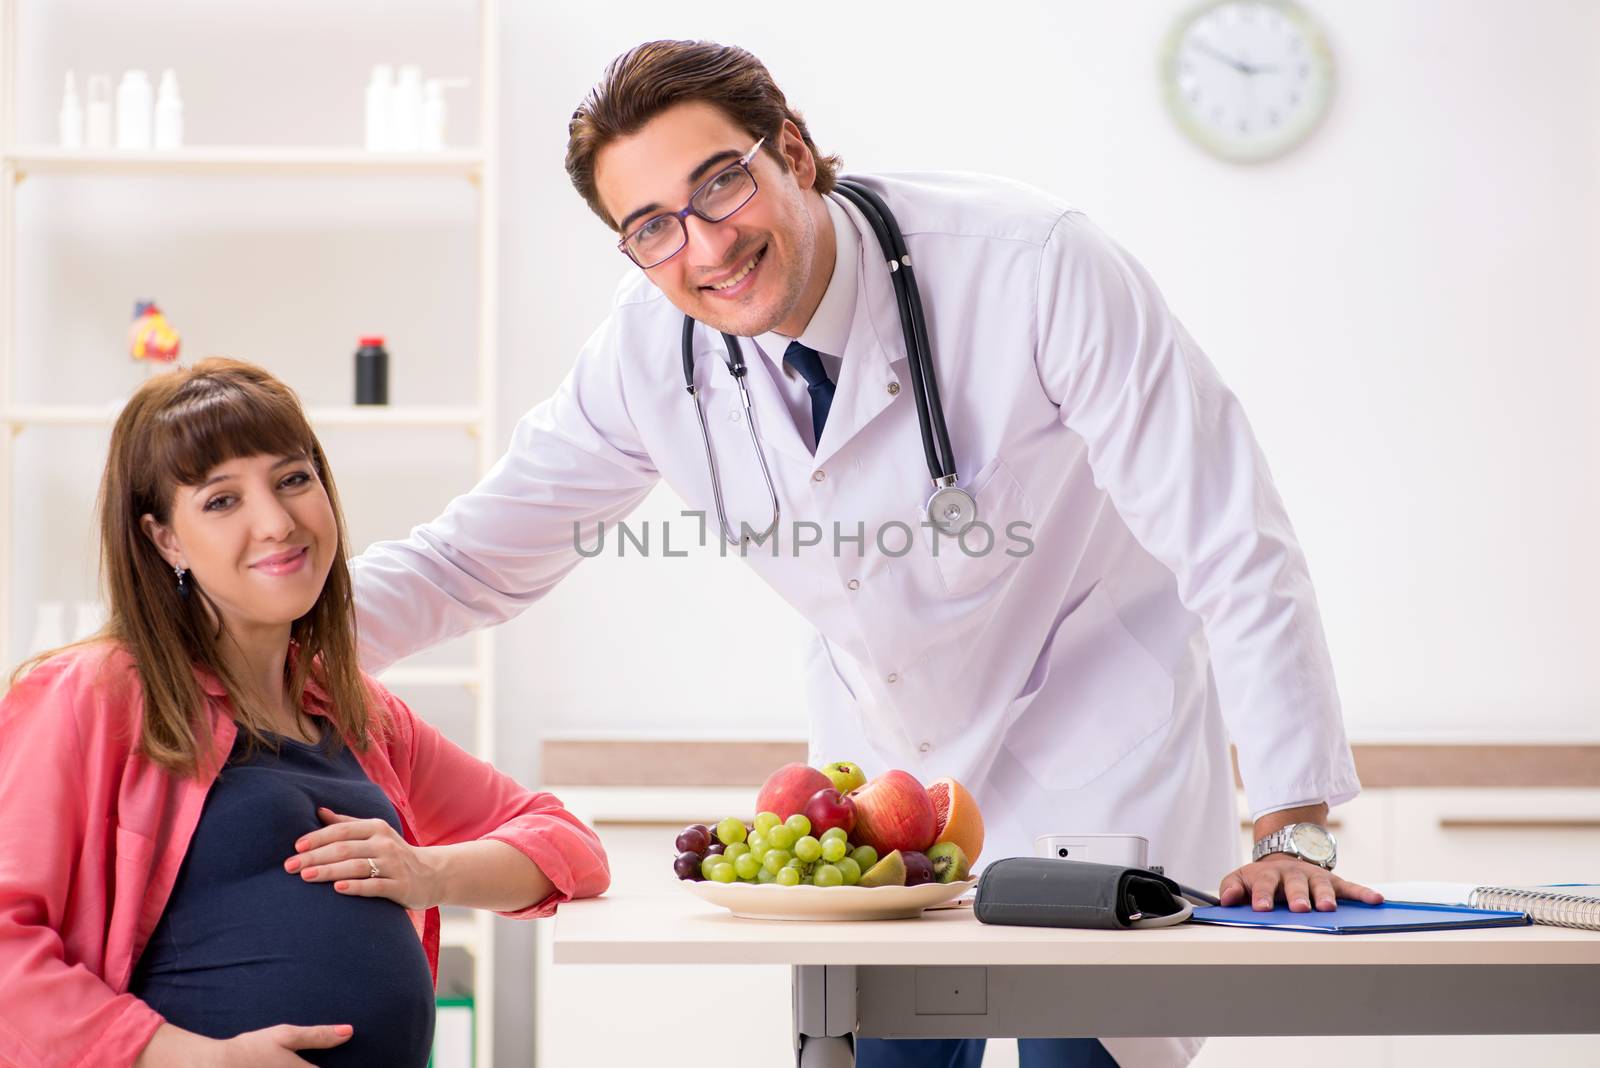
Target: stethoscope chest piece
952, 510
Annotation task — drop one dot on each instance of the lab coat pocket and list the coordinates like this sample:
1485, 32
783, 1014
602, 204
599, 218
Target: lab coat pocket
1094, 696
990, 549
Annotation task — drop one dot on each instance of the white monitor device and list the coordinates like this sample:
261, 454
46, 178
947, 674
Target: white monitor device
1123, 850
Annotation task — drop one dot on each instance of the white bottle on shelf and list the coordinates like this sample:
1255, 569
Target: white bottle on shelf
169, 112
380, 91
405, 110
69, 123
135, 102
435, 113
97, 114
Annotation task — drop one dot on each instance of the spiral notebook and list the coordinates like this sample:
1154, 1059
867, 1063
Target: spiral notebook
1555, 904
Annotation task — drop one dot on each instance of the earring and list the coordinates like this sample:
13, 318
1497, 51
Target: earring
183, 585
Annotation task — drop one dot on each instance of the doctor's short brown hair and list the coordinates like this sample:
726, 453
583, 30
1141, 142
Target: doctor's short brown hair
652, 77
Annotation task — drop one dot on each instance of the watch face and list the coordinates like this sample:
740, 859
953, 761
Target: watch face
1313, 842
1247, 80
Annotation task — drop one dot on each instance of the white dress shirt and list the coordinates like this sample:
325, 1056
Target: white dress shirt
828, 329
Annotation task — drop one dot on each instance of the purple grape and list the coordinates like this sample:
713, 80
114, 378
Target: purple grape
687, 866
693, 840
714, 847
919, 869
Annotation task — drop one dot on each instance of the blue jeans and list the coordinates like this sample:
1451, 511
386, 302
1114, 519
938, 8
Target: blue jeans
968, 1053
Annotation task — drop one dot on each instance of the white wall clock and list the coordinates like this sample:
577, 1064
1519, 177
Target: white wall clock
1247, 80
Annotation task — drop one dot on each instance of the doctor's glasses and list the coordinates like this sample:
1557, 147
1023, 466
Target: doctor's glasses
662, 237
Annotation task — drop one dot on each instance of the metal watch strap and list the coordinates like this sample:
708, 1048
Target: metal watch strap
1272, 843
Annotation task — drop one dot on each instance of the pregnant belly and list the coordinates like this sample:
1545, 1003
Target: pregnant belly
320, 958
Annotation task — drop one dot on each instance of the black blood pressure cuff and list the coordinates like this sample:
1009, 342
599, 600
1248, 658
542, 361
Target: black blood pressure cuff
1044, 892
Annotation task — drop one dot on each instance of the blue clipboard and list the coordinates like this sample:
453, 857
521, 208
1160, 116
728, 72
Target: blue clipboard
1354, 917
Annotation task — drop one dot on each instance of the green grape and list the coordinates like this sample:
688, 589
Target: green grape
730, 830
735, 851
827, 875
788, 877
723, 873
808, 849
711, 861
865, 856
775, 860
765, 821
757, 842
833, 849
764, 876
798, 865
747, 866
850, 870
834, 832
781, 837
798, 824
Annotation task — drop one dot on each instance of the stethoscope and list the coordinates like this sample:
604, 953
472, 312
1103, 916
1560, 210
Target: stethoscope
950, 509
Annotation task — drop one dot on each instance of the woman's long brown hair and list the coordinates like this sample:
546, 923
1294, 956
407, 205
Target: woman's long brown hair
175, 429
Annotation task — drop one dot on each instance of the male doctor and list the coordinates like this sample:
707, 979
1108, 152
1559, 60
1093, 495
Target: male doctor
1091, 684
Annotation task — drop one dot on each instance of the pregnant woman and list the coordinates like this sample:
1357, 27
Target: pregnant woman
220, 842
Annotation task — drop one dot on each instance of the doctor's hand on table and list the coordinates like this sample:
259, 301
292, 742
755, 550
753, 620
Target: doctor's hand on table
1281, 877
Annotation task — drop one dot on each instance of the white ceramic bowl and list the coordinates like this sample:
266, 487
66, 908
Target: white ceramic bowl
772, 902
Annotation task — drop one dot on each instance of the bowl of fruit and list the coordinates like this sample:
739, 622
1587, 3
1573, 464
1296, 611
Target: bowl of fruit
831, 844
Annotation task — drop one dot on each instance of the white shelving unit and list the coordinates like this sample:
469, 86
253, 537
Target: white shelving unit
479, 166
254, 162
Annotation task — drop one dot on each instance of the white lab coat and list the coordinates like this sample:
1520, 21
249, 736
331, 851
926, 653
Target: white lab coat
1090, 686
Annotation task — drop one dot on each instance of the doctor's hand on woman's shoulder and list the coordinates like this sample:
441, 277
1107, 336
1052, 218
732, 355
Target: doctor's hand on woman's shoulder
270, 1047
1301, 884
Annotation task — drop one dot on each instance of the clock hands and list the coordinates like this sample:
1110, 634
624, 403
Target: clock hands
1239, 65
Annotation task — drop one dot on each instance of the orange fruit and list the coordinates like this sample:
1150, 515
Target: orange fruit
956, 816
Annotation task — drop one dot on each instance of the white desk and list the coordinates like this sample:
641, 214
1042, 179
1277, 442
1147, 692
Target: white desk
948, 976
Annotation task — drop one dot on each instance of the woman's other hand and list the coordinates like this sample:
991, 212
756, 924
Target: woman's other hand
366, 858
270, 1047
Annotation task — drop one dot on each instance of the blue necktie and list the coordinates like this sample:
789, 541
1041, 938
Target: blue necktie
818, 384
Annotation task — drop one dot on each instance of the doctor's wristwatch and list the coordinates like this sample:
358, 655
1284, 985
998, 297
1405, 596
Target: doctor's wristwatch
1308, 841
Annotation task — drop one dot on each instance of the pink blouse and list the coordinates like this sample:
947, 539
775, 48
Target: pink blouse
92, 835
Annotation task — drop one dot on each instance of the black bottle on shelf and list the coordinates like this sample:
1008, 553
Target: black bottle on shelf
372, 372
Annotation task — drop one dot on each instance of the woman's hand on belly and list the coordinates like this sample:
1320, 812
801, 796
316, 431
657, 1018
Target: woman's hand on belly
367, 858
271, 1047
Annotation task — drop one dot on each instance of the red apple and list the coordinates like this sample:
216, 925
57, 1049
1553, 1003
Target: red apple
893, 812
787, 790
828, 808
